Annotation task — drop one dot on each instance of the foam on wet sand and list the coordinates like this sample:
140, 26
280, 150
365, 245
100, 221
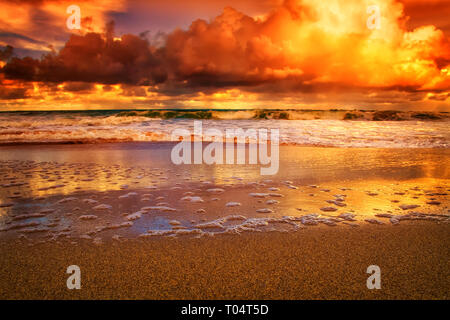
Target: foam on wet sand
83, 212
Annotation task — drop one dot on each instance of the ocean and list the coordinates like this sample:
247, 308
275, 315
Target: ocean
335, 128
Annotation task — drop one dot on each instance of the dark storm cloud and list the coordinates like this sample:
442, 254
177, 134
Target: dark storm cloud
12, 93
6, 53
94, 58
78, 86
11, 37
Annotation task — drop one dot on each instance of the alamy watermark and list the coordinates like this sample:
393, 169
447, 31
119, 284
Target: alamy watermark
73, 22
74, 281
190, 149
374, 20
374, 281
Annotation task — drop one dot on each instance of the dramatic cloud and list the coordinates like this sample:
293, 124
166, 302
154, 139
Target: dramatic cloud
94, 58
298, 53
311, 45
35, 27
430, 12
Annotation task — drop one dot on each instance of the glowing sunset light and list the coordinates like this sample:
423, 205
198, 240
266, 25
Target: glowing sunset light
289, 54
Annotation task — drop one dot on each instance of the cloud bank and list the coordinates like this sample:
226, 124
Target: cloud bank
300, 53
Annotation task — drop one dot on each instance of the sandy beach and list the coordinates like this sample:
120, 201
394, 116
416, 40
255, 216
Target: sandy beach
316, 263
147, 229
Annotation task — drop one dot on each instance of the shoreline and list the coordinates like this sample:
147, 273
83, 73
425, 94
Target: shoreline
131, 190
313, 263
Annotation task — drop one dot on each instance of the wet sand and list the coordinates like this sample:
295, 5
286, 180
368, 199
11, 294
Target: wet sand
315, 263
142, 228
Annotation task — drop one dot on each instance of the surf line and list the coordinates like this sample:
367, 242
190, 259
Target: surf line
233, 138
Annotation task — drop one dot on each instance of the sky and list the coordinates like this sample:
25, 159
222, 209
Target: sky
226, 54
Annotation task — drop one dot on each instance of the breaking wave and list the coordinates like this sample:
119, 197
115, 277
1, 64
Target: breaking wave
383, 129
268, 114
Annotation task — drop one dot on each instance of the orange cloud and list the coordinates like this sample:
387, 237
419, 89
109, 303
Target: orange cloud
312, 43
301, 52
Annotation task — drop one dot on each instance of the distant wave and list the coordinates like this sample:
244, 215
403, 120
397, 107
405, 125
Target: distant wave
268, 114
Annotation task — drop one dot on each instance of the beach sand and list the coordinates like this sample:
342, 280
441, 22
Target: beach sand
140, 227
314, 263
